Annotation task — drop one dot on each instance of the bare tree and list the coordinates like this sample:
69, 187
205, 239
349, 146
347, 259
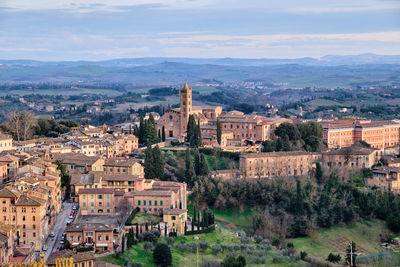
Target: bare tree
21, 125
28, 121
123, 208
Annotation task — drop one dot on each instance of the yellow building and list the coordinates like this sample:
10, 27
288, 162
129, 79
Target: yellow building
6, 142
97, 201
74, 259
175, 219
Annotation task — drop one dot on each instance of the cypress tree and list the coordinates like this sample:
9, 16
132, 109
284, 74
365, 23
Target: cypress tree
159, 134
165, 229
151, 136
299, 198
197, 162
147, 227
191, 128
318, 172
158, 163
141, 131
189, 173
185, 228
149, 171
197, 135
159, 228
163, 134
123, 244
137, 231
219, 132
204, 165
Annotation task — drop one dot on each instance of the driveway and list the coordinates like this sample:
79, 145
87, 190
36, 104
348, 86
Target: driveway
58, 229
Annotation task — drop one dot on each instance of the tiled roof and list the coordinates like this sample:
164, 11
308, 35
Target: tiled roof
8, 193
24, 200
158, 193
96, 191
278, 154
77, 257
78, 227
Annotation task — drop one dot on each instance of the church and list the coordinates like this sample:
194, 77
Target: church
238, 129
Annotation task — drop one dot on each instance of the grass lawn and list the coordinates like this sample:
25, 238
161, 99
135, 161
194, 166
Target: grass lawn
218, 163
144, 218
235, 218
335, 239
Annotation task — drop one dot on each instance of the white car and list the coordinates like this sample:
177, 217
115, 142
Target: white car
70, 217
52, 235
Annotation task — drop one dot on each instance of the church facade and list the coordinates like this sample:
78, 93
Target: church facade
236, 126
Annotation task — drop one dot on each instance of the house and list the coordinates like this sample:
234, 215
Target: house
176, 219
98, 235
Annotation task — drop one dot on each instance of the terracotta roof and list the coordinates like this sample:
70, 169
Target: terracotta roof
151, 192
78, 227
5, 136
77, 257
96, 191
75, 158
8, 193
24, 200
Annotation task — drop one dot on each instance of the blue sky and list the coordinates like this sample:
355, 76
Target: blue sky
105, 29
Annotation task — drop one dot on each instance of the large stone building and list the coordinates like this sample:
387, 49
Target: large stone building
236, 126
343, 133
354, 156
277, 164
386, 178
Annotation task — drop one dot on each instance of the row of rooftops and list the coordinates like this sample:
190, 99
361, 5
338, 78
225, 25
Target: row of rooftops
353, 124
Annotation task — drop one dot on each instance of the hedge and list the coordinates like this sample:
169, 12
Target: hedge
209, 229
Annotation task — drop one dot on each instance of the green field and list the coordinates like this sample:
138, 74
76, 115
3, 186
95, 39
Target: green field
142, 218
335, 239
218, 163
234, 218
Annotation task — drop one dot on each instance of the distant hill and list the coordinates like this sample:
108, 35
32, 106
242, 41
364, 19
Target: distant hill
328, 71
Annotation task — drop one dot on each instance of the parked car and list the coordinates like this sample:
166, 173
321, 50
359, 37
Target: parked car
74, 207
52, 235
70, 217
62, 242
44, 247
68, 222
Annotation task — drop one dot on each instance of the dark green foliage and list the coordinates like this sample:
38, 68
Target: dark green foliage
163, 134
153, 163
207, 218
53, 128
393, 221
268, 146
189, 172
232, 261
318, 172
193, 133
151, 136
335, 258
219, 131
65, 179
162, 255
123, 244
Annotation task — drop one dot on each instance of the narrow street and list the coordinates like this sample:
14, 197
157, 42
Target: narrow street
58, 229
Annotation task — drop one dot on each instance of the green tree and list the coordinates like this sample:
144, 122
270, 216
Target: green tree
158, 163
190, 172
142, 131
318, 172
198, 141
149, 169
191, 128
232, 261
197, 162
65, 179
123, 244
268, 146
162, 255
219, 132
351, 254
299, 198
335, 258
204, 165
163, 134
151, 136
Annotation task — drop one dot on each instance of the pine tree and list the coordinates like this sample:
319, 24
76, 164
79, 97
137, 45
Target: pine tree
219, 132
197, 136
163, 134
204, 165
151, 136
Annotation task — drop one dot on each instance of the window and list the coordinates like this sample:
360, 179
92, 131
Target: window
71, 238
108, 204
161, 202
23, 209
79, 238
107, 237
84, 196
123, 170
34, 234
155, 202
108, 196
91, 204
4, 209
138, 202
95, 186
108, 210
118, 170
91, 196
34, 226
92, 211
84, 204
173, 218
149, 202
33, 218
144, 202
111, 169
23, 218
100, 196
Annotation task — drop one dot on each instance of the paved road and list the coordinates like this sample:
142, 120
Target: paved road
58, 229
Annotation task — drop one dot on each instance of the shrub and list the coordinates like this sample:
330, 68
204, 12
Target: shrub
276, 241
258, 238
162, 255
335, 258
216, 249
149, 236
231, 261
147, 246
203, 246
303, 255
170, 240
244, 239
172, 234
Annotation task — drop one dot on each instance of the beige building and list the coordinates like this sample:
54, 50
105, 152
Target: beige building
27, 214
276, 164
123, 166
6, 142
79, 163
81, 259
6, 243
385, 177
355, 156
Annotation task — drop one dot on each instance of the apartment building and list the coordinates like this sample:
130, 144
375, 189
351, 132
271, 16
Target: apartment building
127, 144
176, 219
344, 133
123, 166
276, 164
97, 201
27, 214
79, 163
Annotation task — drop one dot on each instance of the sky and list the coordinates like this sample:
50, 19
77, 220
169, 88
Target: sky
52, 30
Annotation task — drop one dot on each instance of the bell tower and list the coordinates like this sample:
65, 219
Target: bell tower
186, 107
